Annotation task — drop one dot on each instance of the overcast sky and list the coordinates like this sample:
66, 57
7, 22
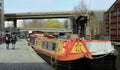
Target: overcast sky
17, 6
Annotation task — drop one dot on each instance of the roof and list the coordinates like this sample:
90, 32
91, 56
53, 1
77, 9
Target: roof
112, 5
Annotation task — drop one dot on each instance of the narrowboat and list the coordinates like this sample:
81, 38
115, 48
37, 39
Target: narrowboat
76, 53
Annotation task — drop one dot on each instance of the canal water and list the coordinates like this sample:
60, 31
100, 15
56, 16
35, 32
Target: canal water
118, 56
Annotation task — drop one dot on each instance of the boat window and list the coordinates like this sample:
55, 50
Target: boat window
49, 45
54, 46
45, 45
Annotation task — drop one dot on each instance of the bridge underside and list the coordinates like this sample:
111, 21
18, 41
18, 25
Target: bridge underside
47, 30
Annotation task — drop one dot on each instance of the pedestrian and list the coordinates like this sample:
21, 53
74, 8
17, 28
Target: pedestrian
7, 41
13, 40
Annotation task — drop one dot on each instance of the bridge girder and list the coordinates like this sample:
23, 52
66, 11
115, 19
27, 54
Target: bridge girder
41, 15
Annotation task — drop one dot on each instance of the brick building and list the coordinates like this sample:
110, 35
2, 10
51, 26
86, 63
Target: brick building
112, 21
1, 14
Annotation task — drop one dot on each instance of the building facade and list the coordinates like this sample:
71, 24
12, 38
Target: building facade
112, 21
1, 14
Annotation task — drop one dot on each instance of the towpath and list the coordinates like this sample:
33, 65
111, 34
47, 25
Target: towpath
22, 58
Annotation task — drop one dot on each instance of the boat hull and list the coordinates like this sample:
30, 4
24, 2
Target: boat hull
106, 63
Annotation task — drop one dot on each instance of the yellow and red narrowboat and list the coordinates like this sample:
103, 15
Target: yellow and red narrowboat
75, 53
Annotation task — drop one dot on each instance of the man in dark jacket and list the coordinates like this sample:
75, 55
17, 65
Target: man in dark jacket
7, 41
13, 40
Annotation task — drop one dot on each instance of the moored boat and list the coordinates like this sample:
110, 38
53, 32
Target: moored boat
75, 53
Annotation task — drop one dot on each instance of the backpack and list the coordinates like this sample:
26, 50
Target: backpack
13, 37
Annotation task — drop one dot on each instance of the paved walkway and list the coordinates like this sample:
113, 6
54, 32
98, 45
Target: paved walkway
22, 58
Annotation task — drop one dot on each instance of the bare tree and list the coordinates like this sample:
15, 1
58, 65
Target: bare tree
81, 8
94, 23
96, 26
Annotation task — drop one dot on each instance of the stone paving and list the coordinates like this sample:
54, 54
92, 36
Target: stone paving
22, 58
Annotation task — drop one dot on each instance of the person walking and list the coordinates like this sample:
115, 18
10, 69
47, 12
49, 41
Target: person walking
7, 41
13, 40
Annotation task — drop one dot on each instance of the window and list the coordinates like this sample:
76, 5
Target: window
114, 13
118, 12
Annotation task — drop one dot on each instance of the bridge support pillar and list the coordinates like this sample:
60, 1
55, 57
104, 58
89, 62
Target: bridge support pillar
15, 23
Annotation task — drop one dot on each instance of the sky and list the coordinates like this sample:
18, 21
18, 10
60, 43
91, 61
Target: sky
23, 6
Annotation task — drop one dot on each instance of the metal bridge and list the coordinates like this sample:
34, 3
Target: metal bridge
47, 29
37, 15
40, 15
74, 16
